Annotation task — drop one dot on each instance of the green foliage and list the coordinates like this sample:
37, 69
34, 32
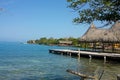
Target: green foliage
75, 41
84, 45
43, 40
53, 41
101, 10
46, 41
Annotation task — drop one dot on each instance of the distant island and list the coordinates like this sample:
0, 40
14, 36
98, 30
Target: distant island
60, 42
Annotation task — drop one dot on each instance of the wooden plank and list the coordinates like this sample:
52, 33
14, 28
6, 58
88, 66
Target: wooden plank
97, 76
99, 73
80, 74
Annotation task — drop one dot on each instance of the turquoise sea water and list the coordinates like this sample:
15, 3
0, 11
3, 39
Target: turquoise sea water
20, 61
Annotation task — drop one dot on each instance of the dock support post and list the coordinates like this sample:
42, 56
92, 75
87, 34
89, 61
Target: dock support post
61, 53
78, 53
90, 58
70, 54
67, 53
104, 59
118, 76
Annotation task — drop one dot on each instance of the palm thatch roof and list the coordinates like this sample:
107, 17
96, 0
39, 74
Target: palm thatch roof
94, 34
116, 29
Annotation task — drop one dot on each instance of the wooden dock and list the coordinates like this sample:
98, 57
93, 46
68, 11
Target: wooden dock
79, 53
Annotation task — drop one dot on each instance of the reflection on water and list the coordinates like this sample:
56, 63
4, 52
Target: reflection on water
34, 62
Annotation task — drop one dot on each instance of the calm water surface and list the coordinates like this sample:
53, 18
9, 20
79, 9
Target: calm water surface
20, 61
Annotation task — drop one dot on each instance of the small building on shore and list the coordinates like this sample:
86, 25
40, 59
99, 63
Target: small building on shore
65, 43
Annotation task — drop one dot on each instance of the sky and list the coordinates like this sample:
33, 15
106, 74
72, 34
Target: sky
22, 20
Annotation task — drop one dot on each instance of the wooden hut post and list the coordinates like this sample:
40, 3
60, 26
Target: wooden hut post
85, 46
103, 47
95, 46
112, 47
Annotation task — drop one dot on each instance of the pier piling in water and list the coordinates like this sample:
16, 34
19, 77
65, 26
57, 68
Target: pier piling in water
78, 53
104, 59
70, 54
90, 58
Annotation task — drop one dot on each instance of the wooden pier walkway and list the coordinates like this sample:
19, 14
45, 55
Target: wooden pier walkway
89, 54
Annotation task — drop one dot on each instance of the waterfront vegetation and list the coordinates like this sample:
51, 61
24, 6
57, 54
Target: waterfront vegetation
55, 41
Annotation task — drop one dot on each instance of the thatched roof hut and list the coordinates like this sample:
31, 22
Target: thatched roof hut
94, 34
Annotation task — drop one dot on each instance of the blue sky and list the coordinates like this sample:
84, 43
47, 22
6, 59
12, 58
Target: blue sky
22, 20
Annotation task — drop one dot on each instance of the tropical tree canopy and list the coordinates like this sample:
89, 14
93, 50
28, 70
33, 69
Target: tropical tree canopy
95, 10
